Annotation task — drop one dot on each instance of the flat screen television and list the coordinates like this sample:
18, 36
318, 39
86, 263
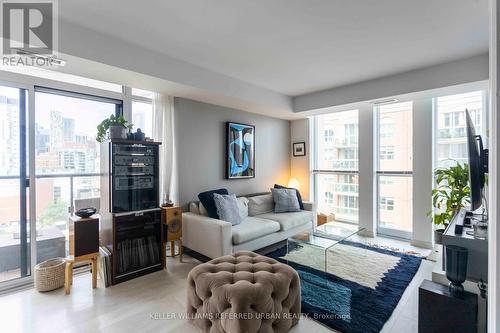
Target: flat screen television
478, 163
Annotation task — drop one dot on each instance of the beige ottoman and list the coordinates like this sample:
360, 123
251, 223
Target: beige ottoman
243, 293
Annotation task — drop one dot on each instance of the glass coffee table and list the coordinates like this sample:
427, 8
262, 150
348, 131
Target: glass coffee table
317, 248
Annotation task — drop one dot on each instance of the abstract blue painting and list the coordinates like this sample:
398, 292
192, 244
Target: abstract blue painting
240, 154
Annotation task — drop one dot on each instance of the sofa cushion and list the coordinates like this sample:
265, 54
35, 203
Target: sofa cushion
260, 204
289, 220
252, 228
243, 207
193, 208
207, 199
227, 208
297, 192
285, 200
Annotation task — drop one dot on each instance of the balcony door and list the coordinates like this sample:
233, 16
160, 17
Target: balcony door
67, 160
14, 222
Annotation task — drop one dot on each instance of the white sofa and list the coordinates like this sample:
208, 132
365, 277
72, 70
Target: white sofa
262, 227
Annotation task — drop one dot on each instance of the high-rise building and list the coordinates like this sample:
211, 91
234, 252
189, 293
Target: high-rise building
9, 135
337, 150
68, 127
451, 135
56, 130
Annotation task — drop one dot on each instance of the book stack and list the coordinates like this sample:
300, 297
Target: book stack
105, 266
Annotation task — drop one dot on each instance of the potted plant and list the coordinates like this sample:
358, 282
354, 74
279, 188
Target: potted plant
452, 192
117, 127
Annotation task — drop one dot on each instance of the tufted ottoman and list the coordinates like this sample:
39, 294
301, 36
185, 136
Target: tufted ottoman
243, 293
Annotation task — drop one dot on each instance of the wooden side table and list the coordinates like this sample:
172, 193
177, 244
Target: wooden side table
92, 257
83, 246
172, 221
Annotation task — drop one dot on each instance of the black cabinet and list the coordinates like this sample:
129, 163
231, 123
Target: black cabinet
130, 207
138, 243
441, 312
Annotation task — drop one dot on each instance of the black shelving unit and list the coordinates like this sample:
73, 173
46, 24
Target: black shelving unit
138, 244
131, 225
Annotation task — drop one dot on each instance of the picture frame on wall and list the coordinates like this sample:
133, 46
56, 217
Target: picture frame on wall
299, 149
240, 151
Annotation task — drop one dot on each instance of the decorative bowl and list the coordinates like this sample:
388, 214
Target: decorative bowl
86, 212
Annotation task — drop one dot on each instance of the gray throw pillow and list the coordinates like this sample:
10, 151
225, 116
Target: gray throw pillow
285, 200
227, 208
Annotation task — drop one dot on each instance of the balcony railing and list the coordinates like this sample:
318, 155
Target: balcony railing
55, 200
70, 176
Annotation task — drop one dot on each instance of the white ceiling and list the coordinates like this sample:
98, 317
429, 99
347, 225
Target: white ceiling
294, 46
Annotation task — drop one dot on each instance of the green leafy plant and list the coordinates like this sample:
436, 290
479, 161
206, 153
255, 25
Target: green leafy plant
451, 193
55, 212
108, 122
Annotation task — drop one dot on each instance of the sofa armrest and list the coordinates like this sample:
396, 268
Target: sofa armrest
205, 235
309, 205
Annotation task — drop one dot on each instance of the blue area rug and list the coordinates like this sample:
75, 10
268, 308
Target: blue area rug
346, 305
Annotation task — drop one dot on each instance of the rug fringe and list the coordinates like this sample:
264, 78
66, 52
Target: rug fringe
395, 249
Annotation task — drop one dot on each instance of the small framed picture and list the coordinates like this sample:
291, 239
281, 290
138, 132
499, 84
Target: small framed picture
299, 149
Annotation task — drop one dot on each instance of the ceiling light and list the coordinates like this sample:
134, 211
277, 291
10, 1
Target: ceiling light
385, 101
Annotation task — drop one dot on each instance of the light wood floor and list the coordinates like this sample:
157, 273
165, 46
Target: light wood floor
132, 306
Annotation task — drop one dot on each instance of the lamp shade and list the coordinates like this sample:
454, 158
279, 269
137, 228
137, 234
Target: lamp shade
294, 183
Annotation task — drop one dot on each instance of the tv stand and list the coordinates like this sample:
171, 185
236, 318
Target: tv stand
477, 262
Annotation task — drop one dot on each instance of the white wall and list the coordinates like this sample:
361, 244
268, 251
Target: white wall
299, 165
366, 200
445, 75
200, 134
422, 173
494, 179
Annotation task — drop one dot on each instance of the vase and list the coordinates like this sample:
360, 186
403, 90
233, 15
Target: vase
117, 132
456, 267
438, 236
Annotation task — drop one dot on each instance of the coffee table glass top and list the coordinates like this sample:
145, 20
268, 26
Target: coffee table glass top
328, 234
315, 248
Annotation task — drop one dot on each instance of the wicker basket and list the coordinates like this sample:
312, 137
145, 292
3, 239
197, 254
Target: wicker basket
49, 275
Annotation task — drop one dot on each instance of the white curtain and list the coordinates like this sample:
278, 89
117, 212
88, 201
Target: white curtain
164, 131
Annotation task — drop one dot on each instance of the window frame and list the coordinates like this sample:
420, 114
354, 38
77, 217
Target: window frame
31, 84
316, 172
391, 232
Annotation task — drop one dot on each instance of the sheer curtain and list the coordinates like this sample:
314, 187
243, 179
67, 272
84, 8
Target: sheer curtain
164, 131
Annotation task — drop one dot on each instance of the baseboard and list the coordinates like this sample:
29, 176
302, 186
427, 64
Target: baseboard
367, 233
422, 244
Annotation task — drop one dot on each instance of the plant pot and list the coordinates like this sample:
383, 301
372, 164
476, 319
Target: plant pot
117, 132
438, 236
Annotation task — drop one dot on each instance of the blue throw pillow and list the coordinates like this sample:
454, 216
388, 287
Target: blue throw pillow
207, 200
227, 208
299, 197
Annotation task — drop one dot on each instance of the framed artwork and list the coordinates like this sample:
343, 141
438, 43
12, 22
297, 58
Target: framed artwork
240, 151
299, 149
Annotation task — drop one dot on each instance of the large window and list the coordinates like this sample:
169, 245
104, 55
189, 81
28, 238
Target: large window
336, 164
394, 169
14, 227
451, 140
142, 111
63, 162
67, 161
